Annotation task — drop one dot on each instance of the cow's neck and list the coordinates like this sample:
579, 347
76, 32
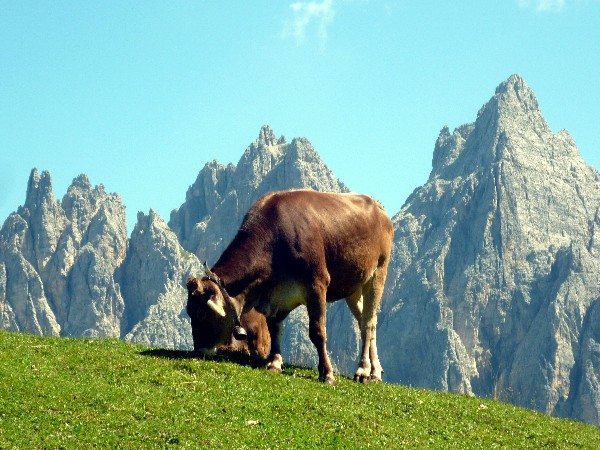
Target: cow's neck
238, 287
241, 269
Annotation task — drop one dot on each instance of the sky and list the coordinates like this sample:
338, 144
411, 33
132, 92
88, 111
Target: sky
139, 95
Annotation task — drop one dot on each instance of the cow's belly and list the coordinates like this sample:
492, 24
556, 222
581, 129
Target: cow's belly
347, 282
282, 299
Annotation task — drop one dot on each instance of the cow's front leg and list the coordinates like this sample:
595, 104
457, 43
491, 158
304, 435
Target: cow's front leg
275, 360
369, 367
317, 319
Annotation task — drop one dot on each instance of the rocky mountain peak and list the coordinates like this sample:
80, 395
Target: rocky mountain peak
260, 158
39, 188
495, 258
515, 85
514, 93
82, 182
216, 203
152, 280
145, 222
448, 148
511, 130
514, 106
65, 255
266, 136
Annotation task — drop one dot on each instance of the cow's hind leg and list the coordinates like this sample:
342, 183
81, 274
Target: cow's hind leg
369, 367
376, 369
355, 304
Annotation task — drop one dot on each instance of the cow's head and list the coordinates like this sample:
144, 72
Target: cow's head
213, 316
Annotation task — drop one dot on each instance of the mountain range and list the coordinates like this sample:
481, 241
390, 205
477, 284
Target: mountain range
493, 289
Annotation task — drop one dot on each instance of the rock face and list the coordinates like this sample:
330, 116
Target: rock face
67, 269
57, 261
153, 279
83, 278
204, 225
217, 201
495, 280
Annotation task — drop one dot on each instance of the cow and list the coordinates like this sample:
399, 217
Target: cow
298, 247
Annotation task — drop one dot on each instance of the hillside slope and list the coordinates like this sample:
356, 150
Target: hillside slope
81, 393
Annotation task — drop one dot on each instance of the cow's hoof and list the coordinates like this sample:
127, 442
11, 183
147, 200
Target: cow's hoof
274, 368
364, 379
328, 380
375, 379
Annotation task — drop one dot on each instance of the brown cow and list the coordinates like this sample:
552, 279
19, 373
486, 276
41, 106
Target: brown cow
295, 248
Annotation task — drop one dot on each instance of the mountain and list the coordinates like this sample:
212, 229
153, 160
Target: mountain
160, 257
68, 269
217, 201
153, 279
57, 261
494, 287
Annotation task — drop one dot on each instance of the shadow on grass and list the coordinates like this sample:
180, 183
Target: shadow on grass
236, 357
232, 356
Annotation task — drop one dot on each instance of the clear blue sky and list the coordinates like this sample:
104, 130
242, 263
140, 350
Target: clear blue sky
139, 95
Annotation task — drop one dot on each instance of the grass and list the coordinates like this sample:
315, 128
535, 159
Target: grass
82, 393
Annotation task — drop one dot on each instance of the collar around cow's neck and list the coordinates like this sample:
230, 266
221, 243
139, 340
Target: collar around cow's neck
215, 279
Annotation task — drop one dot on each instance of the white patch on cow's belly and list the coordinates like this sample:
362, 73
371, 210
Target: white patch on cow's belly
283, 298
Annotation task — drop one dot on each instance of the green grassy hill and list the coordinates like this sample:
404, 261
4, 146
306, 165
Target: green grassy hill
80, 393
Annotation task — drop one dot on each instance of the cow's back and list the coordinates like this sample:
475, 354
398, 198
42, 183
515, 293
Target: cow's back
348, 234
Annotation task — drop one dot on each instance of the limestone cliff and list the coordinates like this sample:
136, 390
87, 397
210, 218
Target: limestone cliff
496, 266
153, 281
57, 261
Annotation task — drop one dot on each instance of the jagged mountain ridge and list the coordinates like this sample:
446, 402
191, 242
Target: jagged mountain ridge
153, 276
496, 265
65, 253
493, 289
147, 277
68, 269
217, 201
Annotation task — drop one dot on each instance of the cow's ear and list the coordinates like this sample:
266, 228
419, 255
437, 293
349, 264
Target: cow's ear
192, 284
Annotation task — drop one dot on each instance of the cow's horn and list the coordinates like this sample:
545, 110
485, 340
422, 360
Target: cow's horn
216, 307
